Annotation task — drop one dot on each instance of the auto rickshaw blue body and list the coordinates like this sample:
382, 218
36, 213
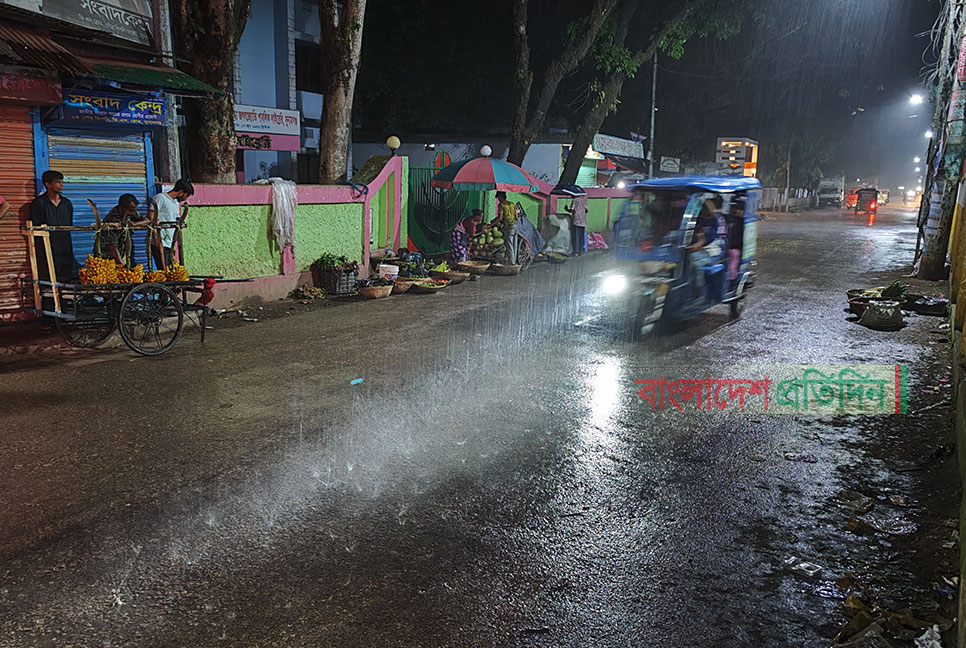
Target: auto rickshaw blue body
658, 276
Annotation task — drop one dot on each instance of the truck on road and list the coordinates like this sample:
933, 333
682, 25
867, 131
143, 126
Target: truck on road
831, 192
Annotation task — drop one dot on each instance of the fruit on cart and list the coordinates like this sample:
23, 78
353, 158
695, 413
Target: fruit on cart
130, 275
176, 272
98, 271
155, 276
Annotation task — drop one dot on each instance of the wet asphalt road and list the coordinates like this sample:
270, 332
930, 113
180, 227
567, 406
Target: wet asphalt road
494, 481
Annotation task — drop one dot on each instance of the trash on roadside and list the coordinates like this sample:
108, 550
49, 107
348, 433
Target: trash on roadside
356, 381
847, 583
947, 586
853, 501
801, 567
857, 624
856, 526
930, 306
900, 500
892, 526
250, 319
929, 639
800, 456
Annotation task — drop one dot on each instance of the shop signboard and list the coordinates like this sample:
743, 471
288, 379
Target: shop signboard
129, 20
268, 129
670, 164
28, 85
106, 108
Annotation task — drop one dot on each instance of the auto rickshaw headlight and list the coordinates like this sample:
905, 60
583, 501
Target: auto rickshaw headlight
614, 284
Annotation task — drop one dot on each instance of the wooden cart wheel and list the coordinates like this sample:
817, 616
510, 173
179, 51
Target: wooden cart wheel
95, 321
151, 319
524, 254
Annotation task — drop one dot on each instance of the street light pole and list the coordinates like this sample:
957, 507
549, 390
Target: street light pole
650, 154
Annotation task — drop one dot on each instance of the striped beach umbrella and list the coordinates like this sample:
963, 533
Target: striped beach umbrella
484, 173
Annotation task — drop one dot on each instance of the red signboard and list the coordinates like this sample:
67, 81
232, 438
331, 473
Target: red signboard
29, 86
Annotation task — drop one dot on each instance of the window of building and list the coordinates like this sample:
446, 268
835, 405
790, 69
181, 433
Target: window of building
308, 66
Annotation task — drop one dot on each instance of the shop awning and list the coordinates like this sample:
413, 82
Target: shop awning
32, 47
149, 76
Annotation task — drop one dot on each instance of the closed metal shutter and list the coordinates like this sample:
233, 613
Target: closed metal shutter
100, 167
18, 187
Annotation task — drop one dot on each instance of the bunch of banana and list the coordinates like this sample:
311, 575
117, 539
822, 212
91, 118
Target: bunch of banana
130, 275
98, 271
176, 272
155, 276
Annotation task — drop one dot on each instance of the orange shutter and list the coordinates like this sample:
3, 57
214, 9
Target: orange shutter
18, 187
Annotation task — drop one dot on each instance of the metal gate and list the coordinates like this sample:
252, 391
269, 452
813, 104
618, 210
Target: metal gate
434, 212
18, 187
100, 166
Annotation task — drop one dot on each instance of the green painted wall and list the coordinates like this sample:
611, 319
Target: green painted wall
597, 212
532, 206
231, 241
235, 241
336, 229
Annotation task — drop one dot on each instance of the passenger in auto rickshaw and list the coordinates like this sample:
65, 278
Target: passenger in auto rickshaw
736, 235
705, 247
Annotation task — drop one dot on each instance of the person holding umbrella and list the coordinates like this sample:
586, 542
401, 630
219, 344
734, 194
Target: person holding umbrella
578, 215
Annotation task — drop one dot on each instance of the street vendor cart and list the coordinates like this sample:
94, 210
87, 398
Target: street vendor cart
149, 316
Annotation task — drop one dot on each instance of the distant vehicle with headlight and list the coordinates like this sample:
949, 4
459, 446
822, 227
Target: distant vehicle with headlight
661, 277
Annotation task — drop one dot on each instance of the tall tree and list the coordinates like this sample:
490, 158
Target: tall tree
206, 38
342, 24
615, 63
530, 112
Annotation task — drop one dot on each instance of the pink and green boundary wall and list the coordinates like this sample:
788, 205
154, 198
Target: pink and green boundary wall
603, 205
229, 232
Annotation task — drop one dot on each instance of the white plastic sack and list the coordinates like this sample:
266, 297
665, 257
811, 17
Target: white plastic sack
559, 242
284, 201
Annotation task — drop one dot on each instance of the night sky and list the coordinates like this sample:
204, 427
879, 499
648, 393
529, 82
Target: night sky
793, 76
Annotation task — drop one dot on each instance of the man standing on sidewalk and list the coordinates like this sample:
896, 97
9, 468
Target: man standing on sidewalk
578, 211
51, 208
506, 214
167, 206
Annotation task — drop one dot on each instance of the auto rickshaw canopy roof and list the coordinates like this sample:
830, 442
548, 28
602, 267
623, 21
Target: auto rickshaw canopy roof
717, 184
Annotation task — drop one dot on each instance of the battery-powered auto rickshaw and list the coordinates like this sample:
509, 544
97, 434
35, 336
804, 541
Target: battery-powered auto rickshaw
683, 245
867, 200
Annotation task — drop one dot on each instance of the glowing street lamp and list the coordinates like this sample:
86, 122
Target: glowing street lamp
916, 159
917, 169
929, 134
915, 99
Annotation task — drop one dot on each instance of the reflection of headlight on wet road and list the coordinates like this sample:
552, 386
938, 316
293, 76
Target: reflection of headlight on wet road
614, 284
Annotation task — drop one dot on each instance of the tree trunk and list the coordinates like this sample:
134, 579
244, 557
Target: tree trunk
523, 82
342, 49
529, 128
206, 39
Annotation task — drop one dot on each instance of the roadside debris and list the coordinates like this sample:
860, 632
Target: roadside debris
800, 456
930, 306
929, 639
892, 526
801, 567
899, 500
854, 502
356, 381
